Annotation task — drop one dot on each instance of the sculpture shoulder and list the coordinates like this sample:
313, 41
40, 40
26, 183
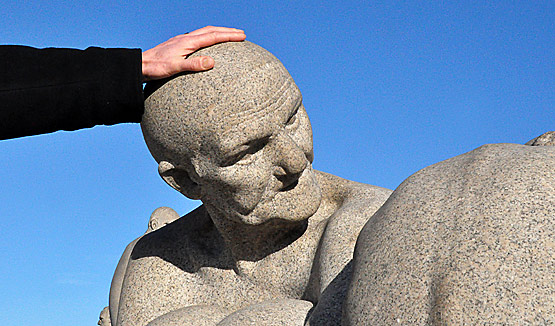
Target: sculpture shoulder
351, 205
355, 202
187, 243
170, 267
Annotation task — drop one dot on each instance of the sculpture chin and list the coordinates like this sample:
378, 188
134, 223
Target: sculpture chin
296, 202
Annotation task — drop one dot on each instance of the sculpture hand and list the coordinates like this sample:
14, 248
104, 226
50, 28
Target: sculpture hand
170, 57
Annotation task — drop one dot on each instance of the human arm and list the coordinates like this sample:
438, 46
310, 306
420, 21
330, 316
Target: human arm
46, 90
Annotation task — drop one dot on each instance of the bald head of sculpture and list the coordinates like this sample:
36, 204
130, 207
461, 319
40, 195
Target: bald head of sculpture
161, 217
237, 137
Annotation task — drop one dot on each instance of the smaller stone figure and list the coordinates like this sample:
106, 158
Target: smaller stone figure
161, 217
104, 318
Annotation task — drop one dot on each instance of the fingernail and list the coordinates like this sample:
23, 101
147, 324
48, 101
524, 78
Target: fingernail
207, 63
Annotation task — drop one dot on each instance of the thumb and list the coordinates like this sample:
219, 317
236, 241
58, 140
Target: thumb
198, 64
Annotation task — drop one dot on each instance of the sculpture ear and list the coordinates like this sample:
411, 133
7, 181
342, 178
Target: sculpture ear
153, 224
179, 179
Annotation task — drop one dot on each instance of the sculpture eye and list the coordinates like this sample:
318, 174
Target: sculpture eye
293, 118
246, 156
245, 159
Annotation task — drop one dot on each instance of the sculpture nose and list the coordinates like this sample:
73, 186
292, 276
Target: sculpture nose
291, 160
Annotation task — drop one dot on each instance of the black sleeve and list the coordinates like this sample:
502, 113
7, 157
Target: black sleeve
45, 90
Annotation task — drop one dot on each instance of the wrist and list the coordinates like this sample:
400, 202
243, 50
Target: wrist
146, 67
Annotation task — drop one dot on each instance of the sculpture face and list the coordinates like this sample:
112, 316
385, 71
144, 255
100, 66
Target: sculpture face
237, 137
104, 318
263, 169
161, 217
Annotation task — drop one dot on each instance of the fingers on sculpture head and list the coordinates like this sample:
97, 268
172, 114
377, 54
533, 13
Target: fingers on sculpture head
237, 137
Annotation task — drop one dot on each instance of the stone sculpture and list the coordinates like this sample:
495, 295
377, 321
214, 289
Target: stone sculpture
160, 217
273, 240
467, 241
104, 318
547, 139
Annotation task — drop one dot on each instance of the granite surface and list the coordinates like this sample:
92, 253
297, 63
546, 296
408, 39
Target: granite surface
104, 318
546, 139
159, 218
285, 312
272, 242
467, 241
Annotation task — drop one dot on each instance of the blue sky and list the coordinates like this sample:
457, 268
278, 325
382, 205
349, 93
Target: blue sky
390, 88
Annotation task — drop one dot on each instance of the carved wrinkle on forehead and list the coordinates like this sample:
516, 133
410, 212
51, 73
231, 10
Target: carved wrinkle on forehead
261, 121
196, 112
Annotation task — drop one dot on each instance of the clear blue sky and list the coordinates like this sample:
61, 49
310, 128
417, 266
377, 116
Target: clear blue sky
390, 88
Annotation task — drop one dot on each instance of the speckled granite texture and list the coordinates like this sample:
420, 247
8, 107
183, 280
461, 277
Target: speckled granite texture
104, 318
283, 312
467, 241
161, 217
273, 240
546, 139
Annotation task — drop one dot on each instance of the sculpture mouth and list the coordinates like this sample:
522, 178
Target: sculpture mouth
290, 186
290, 181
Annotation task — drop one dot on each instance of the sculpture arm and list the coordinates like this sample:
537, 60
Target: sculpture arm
200, 315
276, 312
117, 281
334, 261
269, 313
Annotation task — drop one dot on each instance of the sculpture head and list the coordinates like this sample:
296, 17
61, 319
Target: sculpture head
237, 137
161, 217
104, 318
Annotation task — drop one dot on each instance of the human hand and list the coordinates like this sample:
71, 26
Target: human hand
171, 57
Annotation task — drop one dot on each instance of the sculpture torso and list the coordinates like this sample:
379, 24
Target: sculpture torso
187, 263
